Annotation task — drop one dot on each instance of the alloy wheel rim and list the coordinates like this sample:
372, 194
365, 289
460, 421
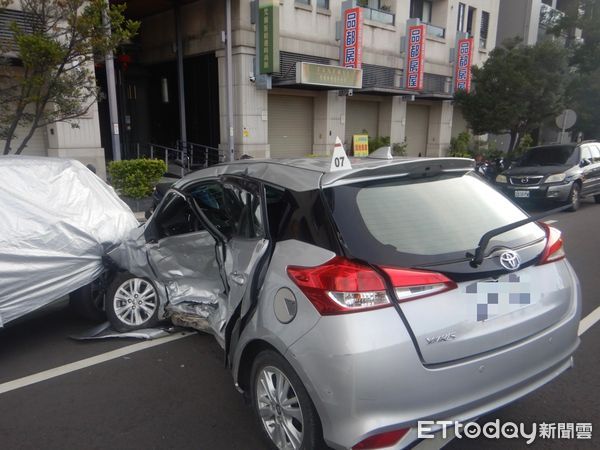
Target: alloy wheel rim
279, 409
575, 201
135, 301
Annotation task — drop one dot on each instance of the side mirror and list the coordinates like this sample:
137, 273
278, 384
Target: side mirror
148, 213
584, 162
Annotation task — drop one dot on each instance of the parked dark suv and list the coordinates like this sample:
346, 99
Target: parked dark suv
562, 173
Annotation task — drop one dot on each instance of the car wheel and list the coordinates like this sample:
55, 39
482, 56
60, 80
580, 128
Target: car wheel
574, 197
282, 406
131, 303
88, 301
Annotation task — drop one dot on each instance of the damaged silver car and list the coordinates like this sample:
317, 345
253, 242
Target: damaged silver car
354, 297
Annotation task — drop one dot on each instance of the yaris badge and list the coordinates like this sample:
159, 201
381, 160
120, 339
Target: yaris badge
510, 260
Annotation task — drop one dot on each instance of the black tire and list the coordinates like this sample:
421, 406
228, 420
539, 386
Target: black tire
597, 198
88, 301
272, 362
574, 197
121, 293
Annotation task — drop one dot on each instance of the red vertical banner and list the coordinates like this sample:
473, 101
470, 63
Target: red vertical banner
415, 57
462, 64
352, 38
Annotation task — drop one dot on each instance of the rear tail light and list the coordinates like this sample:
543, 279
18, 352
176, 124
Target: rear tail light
382, 440
342, 286
554, 249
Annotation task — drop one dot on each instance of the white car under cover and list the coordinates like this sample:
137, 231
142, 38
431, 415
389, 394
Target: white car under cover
58, 220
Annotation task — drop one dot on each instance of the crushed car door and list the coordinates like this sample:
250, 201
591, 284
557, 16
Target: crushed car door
239, 219
183, 256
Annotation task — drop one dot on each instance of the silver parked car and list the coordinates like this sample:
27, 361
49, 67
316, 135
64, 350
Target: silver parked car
355, 297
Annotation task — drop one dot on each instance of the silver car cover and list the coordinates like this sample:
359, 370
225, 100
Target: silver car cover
58, 219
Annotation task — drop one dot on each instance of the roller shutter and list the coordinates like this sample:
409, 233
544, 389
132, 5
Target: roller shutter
290, 126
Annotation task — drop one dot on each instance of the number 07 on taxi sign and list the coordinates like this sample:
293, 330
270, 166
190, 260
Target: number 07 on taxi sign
339, 159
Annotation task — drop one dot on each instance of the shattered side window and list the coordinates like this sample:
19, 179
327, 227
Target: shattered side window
177, 218
234, 211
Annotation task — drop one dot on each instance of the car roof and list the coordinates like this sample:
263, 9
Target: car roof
302, 174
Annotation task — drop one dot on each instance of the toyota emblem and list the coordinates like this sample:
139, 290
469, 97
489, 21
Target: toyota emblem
524, 180
510, 260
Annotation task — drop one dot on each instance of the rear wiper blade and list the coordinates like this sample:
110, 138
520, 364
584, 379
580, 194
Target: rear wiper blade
477, 258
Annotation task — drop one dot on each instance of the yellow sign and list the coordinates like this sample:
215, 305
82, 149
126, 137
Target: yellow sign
360, 144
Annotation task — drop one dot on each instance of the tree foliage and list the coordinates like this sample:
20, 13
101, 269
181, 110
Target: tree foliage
584, 87
516, 89
46, 75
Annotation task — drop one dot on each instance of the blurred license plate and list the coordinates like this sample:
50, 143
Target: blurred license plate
522, 194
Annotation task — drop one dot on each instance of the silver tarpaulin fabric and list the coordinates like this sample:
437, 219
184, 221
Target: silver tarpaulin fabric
57, 219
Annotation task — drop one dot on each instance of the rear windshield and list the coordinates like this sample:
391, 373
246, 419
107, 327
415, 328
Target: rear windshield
419, 222
549, 156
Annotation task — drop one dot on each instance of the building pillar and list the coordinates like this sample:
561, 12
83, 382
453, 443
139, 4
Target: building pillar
81, 142
329, 121
440, 128
392, 119
250, 107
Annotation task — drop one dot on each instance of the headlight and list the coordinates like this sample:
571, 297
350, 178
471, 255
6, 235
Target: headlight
501, 179
557, 178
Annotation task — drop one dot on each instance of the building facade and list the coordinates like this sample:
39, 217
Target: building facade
293, 119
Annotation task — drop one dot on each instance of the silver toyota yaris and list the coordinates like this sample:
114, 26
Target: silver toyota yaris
354, 297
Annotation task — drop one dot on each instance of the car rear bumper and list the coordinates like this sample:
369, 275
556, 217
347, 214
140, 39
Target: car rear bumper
365, 376
557, 192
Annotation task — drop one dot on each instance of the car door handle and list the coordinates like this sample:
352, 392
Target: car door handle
237, 278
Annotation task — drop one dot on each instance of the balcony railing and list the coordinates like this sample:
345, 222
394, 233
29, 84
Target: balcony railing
378, 15
435, 31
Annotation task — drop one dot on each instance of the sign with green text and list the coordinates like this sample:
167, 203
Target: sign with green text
326, 75
268, 36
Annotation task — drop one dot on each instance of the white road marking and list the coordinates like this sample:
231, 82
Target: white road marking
550, 222
589, 320
77, 365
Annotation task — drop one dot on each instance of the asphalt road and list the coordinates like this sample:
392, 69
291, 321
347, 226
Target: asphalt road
179, 395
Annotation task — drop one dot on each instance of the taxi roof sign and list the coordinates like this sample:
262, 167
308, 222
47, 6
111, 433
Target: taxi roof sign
339, 159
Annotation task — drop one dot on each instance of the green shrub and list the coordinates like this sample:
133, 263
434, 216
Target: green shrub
460, 146
398, 149
136, 178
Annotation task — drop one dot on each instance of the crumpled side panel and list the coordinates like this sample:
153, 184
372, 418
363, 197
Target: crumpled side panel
58, 219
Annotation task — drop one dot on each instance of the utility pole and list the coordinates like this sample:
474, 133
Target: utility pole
112, 94
180, 78
229, 64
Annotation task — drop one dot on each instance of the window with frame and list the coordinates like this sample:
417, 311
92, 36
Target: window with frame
460, 24
483, 29
595, 151
421, 9
470, 21
323, 4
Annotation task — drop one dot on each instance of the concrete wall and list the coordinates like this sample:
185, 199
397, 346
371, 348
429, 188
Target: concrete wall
519, 18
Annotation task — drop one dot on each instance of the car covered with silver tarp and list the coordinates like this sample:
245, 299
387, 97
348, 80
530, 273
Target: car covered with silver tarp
58, 220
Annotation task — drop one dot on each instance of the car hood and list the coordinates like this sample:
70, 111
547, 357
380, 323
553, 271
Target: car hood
536, 170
